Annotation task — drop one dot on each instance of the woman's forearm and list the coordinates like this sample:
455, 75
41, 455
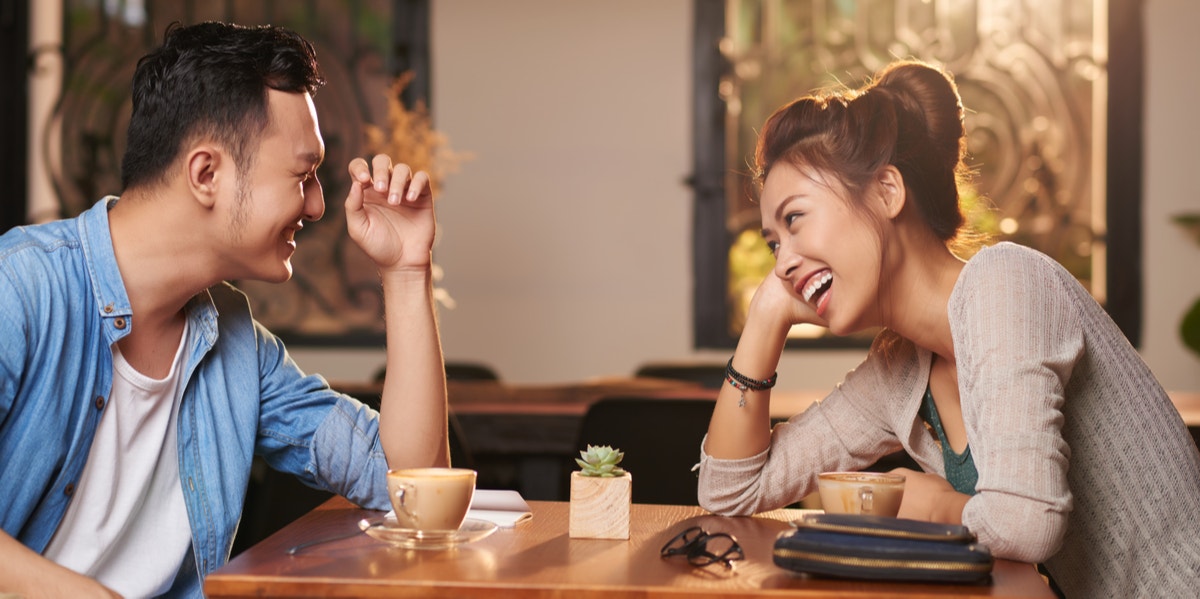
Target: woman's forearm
741, 422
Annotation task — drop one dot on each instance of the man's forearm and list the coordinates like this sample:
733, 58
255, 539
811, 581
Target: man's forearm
414, 410
27, 574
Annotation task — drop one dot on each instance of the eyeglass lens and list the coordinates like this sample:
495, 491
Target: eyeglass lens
703, 548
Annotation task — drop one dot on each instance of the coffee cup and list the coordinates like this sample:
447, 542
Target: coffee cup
874, 493
431, 499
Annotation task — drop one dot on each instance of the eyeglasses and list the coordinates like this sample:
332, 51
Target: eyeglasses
703, 548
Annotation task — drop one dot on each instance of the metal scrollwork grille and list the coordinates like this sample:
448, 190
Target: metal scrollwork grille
334, 296
1033, 76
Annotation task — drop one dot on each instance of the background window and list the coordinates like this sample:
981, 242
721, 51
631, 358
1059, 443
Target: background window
334, 297
1047, 117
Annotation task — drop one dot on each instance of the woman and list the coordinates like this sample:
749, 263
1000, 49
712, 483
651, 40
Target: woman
1048, 435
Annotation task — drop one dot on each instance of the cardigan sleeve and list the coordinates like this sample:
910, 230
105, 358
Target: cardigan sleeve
1017, 337
848, 430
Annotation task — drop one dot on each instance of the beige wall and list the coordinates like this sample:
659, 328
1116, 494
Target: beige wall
566, 239
1171, 262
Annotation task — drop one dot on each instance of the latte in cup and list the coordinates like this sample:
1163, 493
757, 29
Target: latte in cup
431, 499
873, 493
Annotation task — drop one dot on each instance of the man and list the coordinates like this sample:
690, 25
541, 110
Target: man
135, 386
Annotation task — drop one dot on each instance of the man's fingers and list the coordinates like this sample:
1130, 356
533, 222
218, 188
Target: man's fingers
400, 177
381, 168
419, 185
360, 170
397, 181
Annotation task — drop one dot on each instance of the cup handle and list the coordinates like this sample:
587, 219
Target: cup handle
402, 494
866, 499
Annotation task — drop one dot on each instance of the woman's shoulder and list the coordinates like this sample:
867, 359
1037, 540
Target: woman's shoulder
1007, 255
1008, 286
1008, 267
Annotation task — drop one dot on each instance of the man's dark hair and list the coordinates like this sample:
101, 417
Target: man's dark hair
210, 80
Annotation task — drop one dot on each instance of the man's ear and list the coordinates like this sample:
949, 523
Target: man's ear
204, 173
892, 193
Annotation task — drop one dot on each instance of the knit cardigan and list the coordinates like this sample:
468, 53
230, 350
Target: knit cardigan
1084, 464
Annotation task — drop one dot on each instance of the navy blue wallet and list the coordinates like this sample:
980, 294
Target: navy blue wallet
879, 548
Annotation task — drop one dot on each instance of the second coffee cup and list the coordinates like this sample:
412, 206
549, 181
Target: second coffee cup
431, 499
873, 493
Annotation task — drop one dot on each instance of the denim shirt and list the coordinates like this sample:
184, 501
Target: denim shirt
62, 307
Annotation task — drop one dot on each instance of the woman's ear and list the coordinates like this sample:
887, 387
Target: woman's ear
892, 193
204, 164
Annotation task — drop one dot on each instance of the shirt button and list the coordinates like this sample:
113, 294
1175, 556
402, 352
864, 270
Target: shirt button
119, 322
108, 309
99, 402
69, 490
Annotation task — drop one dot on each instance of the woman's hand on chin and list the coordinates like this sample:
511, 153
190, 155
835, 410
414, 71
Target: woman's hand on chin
776, 301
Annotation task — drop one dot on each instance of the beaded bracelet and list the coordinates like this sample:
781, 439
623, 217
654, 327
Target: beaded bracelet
744, 383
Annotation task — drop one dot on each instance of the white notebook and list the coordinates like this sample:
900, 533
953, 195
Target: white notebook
503, 507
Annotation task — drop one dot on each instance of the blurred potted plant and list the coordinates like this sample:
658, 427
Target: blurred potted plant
410, 138
1189, 327
601, 494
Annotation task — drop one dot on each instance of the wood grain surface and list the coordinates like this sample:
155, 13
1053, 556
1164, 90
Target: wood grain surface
538, 559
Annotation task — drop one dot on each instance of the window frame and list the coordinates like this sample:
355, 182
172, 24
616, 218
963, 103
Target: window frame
1123, 201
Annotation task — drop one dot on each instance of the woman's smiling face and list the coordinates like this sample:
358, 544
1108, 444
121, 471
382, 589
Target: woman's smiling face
826, 251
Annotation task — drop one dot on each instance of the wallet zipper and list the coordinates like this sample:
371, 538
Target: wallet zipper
883, 532
871, 562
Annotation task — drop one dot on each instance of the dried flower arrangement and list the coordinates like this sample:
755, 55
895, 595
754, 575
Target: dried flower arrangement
410, 138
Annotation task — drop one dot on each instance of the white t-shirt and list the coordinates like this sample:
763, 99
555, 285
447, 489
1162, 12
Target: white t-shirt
127, 524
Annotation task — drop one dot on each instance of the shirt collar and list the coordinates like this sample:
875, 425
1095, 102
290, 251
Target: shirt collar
108, 289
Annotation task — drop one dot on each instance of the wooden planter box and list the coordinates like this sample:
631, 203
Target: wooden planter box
600, 506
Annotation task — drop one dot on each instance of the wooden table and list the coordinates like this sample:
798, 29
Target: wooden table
537, 559
530, 419
488, 398
533, 428
500, 417
494, 409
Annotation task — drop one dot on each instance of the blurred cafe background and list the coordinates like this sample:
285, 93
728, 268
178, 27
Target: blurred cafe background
591, 156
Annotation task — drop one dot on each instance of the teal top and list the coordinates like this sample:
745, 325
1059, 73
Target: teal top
960, 467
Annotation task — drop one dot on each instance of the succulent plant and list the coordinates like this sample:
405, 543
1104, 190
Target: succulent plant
600, 461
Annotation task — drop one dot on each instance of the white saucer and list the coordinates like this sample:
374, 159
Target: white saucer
389, 531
